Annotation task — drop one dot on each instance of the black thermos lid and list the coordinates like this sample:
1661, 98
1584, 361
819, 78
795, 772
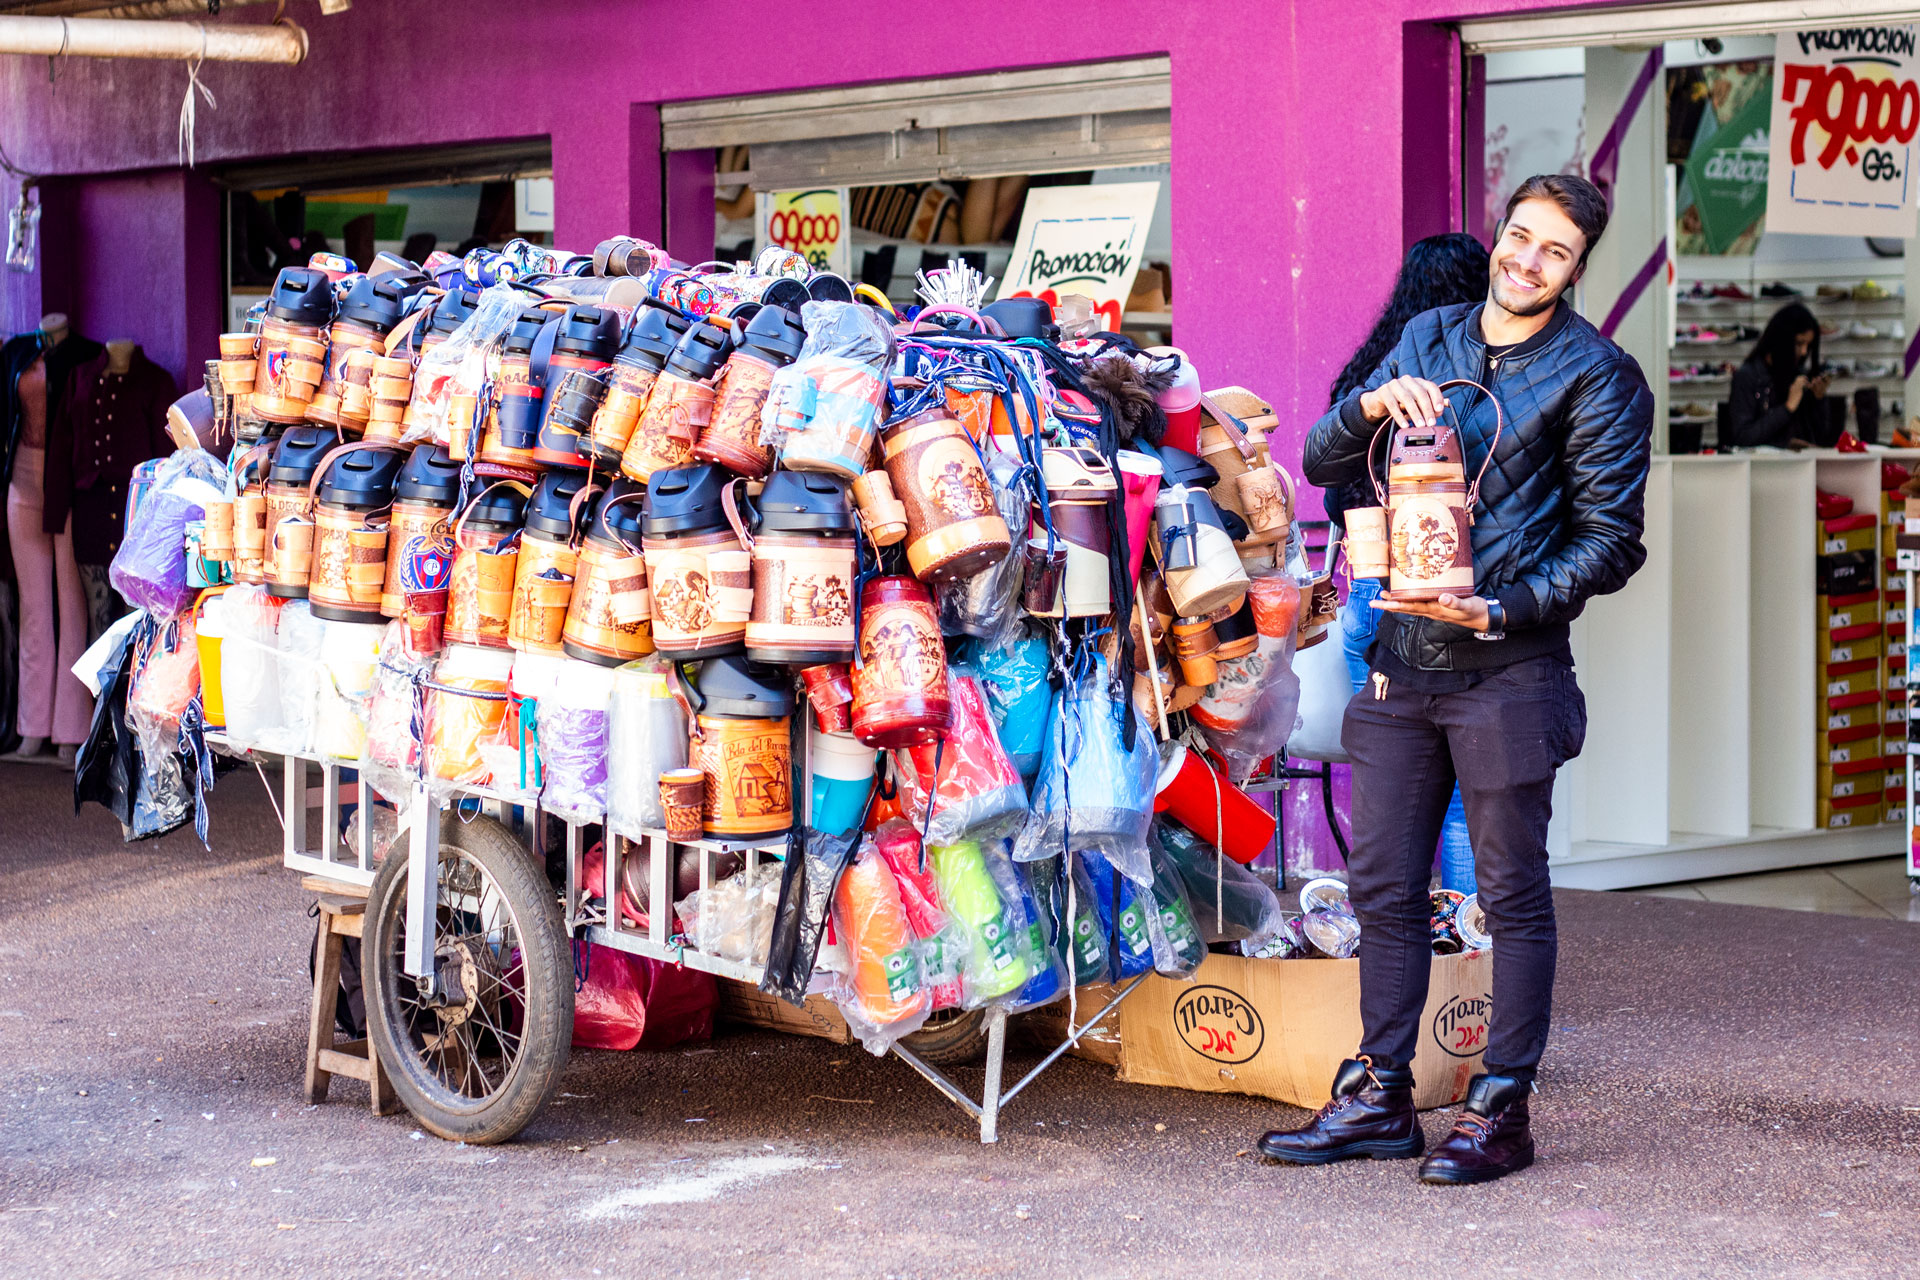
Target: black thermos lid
589, 331
301, 296
737, 687
549, 510
362, 480
685, 500
431, 476
804, 502
298, 454
700, 352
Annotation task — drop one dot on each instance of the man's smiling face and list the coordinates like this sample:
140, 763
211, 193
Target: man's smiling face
1539, 257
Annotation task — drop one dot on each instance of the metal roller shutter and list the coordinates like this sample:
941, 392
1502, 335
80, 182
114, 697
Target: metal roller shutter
1647, 25
1041, 121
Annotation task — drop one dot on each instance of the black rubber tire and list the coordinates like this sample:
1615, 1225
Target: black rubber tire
951, 1038
546, 961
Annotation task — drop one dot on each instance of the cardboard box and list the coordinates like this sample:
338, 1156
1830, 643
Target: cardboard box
1843, 678
1838, 718
1846, 746
1845, 534
1101, 1043
752, 1007
1850, 611
1834, 785
1846, 575
1850, 644
1853, 811
1281, 1028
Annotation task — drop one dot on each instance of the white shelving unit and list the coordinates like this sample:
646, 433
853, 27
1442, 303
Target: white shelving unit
1701, 682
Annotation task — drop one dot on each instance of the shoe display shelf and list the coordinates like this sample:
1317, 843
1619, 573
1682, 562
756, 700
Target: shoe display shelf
1702, 682
1723, 304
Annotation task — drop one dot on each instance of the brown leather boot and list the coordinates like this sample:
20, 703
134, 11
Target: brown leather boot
1371, 1114
1490, 1140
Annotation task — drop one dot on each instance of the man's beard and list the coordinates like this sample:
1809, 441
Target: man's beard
1536, 306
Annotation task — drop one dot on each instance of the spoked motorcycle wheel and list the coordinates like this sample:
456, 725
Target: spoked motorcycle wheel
476, 1059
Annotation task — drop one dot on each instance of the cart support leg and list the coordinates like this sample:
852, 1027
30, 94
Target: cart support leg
990, 1093
423, 884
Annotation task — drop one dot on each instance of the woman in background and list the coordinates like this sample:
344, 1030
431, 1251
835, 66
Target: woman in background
1779, 391
1439, 271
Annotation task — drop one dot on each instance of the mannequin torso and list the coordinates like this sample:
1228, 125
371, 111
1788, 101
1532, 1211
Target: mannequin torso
33, 385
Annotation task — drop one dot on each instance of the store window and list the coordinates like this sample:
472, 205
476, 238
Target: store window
410, 203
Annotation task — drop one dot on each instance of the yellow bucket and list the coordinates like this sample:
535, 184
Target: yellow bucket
208, 635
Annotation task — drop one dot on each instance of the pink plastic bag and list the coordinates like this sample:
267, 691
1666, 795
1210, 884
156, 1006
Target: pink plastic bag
631, 1002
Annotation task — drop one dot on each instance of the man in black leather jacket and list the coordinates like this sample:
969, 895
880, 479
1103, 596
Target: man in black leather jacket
1481, 688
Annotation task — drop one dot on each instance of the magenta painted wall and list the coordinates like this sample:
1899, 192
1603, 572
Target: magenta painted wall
1289, 205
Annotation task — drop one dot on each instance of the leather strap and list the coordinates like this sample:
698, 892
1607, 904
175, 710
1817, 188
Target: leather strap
1235, 430
731, 505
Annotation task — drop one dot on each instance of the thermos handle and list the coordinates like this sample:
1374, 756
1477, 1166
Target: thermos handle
1236, 432
731, 506
637, 496
574, 504
1499, 425
326, 460
460, 522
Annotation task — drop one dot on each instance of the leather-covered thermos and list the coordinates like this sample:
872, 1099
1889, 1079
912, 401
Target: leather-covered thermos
423, 501
743, 743
486, 555
954, 528
353, 494
803, 571
698, 565
655, 331
513, 420
289, 546
250, 512
293, 345
1430, 506
1198, 563
372, 307
679, 406
543, 579
584, 342
1080, 491
770, 341
900, 696
609, 618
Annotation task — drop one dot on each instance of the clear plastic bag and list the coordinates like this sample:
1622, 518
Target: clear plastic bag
962, 786
900, 845
1123, 918
647, 736
1177, 946
573, 728
250, 667
886, 995
823, 409
1073, 919
734, 918
470, 721
1092, 792
809, 873
1230, 903
454, 371
993, 962
1014, 677
350, 653
987, 605
150, 568
165, 678
1249, 712
1049, 973
395, 717
302, 640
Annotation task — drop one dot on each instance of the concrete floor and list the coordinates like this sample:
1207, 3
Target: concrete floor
1731, 1091
1877, 889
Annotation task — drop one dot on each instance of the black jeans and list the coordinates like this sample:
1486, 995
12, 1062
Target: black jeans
1503, 740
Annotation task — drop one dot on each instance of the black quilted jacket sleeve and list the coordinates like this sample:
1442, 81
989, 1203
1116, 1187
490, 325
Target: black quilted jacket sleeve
1605, 457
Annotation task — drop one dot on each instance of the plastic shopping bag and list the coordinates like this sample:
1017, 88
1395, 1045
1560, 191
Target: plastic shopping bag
647, 736
940, 940
573, 730
150, 569
886, 995
1015, 676
1093, 792
1230, 903
962, 786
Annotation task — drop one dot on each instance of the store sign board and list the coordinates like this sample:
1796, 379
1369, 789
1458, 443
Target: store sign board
1728, 174
813, 224
1082, 240
1846, 107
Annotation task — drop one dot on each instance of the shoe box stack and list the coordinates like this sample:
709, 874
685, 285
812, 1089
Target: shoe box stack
1893, 616
1851, 763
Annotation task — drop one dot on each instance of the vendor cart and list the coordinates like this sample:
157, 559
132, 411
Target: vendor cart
468, 954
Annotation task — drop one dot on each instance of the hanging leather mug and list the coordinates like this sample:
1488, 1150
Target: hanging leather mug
608, 616
486, 555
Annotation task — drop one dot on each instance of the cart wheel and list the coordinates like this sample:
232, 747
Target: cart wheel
951, 1038
475, 1061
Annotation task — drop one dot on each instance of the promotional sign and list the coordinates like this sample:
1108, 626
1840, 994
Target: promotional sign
1084, 240
813, 224
1727, 174
1845, 110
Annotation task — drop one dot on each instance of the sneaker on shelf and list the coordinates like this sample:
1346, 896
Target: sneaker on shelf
1698, 292
1779, 289
1859, 330
1680, 373
1748, 333
1833, 291
1869, 291
1897, 331
1841, 366
1873, 369
1732, 291
1831, 328
1694, 409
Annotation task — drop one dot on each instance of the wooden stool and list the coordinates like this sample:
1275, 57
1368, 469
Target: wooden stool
343, 914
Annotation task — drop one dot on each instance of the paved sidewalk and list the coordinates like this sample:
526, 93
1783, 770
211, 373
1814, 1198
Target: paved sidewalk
1732, 1092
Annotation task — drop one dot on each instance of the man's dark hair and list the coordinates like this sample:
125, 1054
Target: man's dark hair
1579, 199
